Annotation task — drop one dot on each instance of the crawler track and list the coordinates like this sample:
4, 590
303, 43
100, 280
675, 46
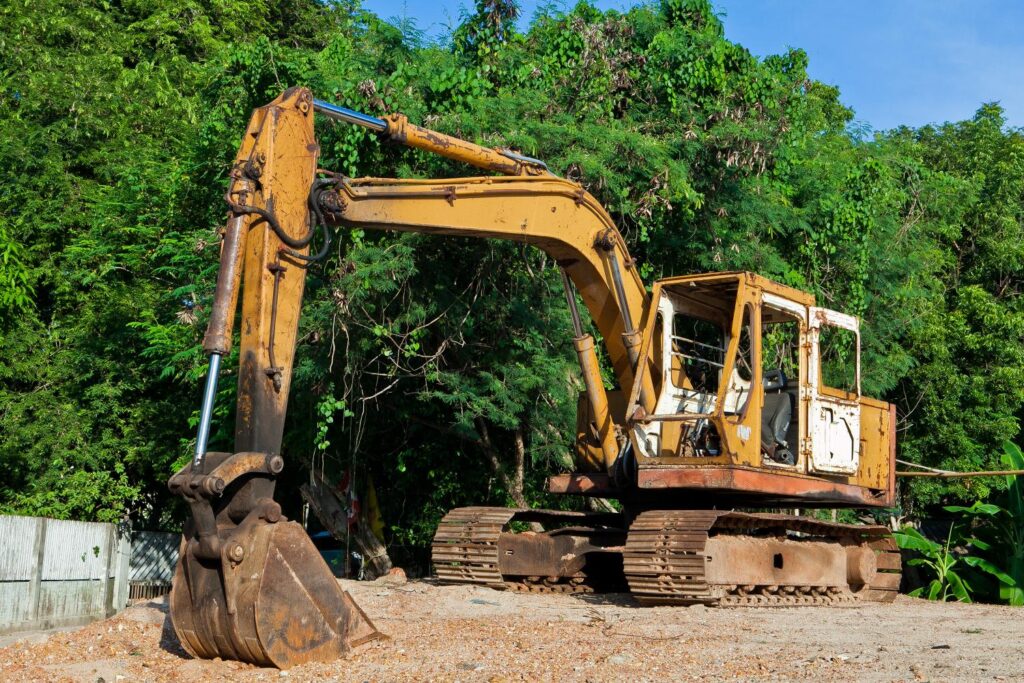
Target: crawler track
465, 550
664, 559
465, 547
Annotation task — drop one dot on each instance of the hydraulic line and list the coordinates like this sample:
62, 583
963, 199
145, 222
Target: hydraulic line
577, 325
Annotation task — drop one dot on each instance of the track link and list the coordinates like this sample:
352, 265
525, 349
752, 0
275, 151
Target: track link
664, 559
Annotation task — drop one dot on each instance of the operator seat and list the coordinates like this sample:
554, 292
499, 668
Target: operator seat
775, 418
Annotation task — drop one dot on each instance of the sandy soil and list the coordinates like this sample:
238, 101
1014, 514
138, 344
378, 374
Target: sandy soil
462, 633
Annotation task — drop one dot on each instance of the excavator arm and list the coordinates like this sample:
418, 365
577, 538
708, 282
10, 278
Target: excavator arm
249, 585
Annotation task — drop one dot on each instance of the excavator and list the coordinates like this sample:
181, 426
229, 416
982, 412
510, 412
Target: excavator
732, 403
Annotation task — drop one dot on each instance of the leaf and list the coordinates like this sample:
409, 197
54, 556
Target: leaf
911, 539
1013, 595
988, 567
977, 508
958, 587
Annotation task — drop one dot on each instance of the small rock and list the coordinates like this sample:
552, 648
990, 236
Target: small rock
470, 666
940, 647
283, 673
394, 577
619, 659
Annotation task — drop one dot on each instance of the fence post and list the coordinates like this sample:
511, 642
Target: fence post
121, 575
35, 583
108, 572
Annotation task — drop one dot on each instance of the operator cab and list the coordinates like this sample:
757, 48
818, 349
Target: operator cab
749, 372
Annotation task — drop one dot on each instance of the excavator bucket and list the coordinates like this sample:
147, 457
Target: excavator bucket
258, 591
280, 606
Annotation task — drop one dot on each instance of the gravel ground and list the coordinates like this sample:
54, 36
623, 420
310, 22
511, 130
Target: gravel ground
463, 633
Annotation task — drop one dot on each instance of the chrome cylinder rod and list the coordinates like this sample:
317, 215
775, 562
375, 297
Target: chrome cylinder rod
620, 293
206, 412
570, 298
333, 111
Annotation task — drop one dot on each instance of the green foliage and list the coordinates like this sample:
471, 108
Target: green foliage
327, 407
441, 367
999, 530
15, 291
985, 538
941, 560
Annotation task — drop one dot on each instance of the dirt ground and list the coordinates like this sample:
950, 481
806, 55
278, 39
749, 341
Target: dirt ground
463, 633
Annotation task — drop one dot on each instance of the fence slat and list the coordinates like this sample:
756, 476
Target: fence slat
17, 536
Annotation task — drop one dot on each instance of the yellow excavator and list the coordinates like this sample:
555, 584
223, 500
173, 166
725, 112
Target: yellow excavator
734, 393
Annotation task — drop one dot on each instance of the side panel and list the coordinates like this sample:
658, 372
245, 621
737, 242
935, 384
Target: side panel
877, 439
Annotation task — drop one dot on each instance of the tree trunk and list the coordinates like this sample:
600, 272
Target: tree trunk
514, 482
331, 511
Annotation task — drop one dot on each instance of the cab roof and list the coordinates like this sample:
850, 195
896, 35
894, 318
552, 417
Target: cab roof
728, 282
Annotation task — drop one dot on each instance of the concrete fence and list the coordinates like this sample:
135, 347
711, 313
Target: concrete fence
57, 573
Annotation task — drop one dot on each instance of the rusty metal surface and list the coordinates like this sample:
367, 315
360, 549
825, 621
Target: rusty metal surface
229, 275
286, 151
666, 560
837, 438
401, 131
777, 561
598, 398
465, 546
719, 486
535, 554
473, 545
273, 602
530, 553
585, 484
771, 486
250, 585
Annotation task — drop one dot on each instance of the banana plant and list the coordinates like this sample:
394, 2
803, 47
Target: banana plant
941, 560
1000, 530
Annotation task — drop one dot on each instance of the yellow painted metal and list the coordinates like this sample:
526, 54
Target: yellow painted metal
401, 131
285, 150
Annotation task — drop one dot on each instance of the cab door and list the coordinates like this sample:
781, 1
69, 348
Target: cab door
834, 387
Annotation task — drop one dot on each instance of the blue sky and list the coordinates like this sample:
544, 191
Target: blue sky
895, 61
